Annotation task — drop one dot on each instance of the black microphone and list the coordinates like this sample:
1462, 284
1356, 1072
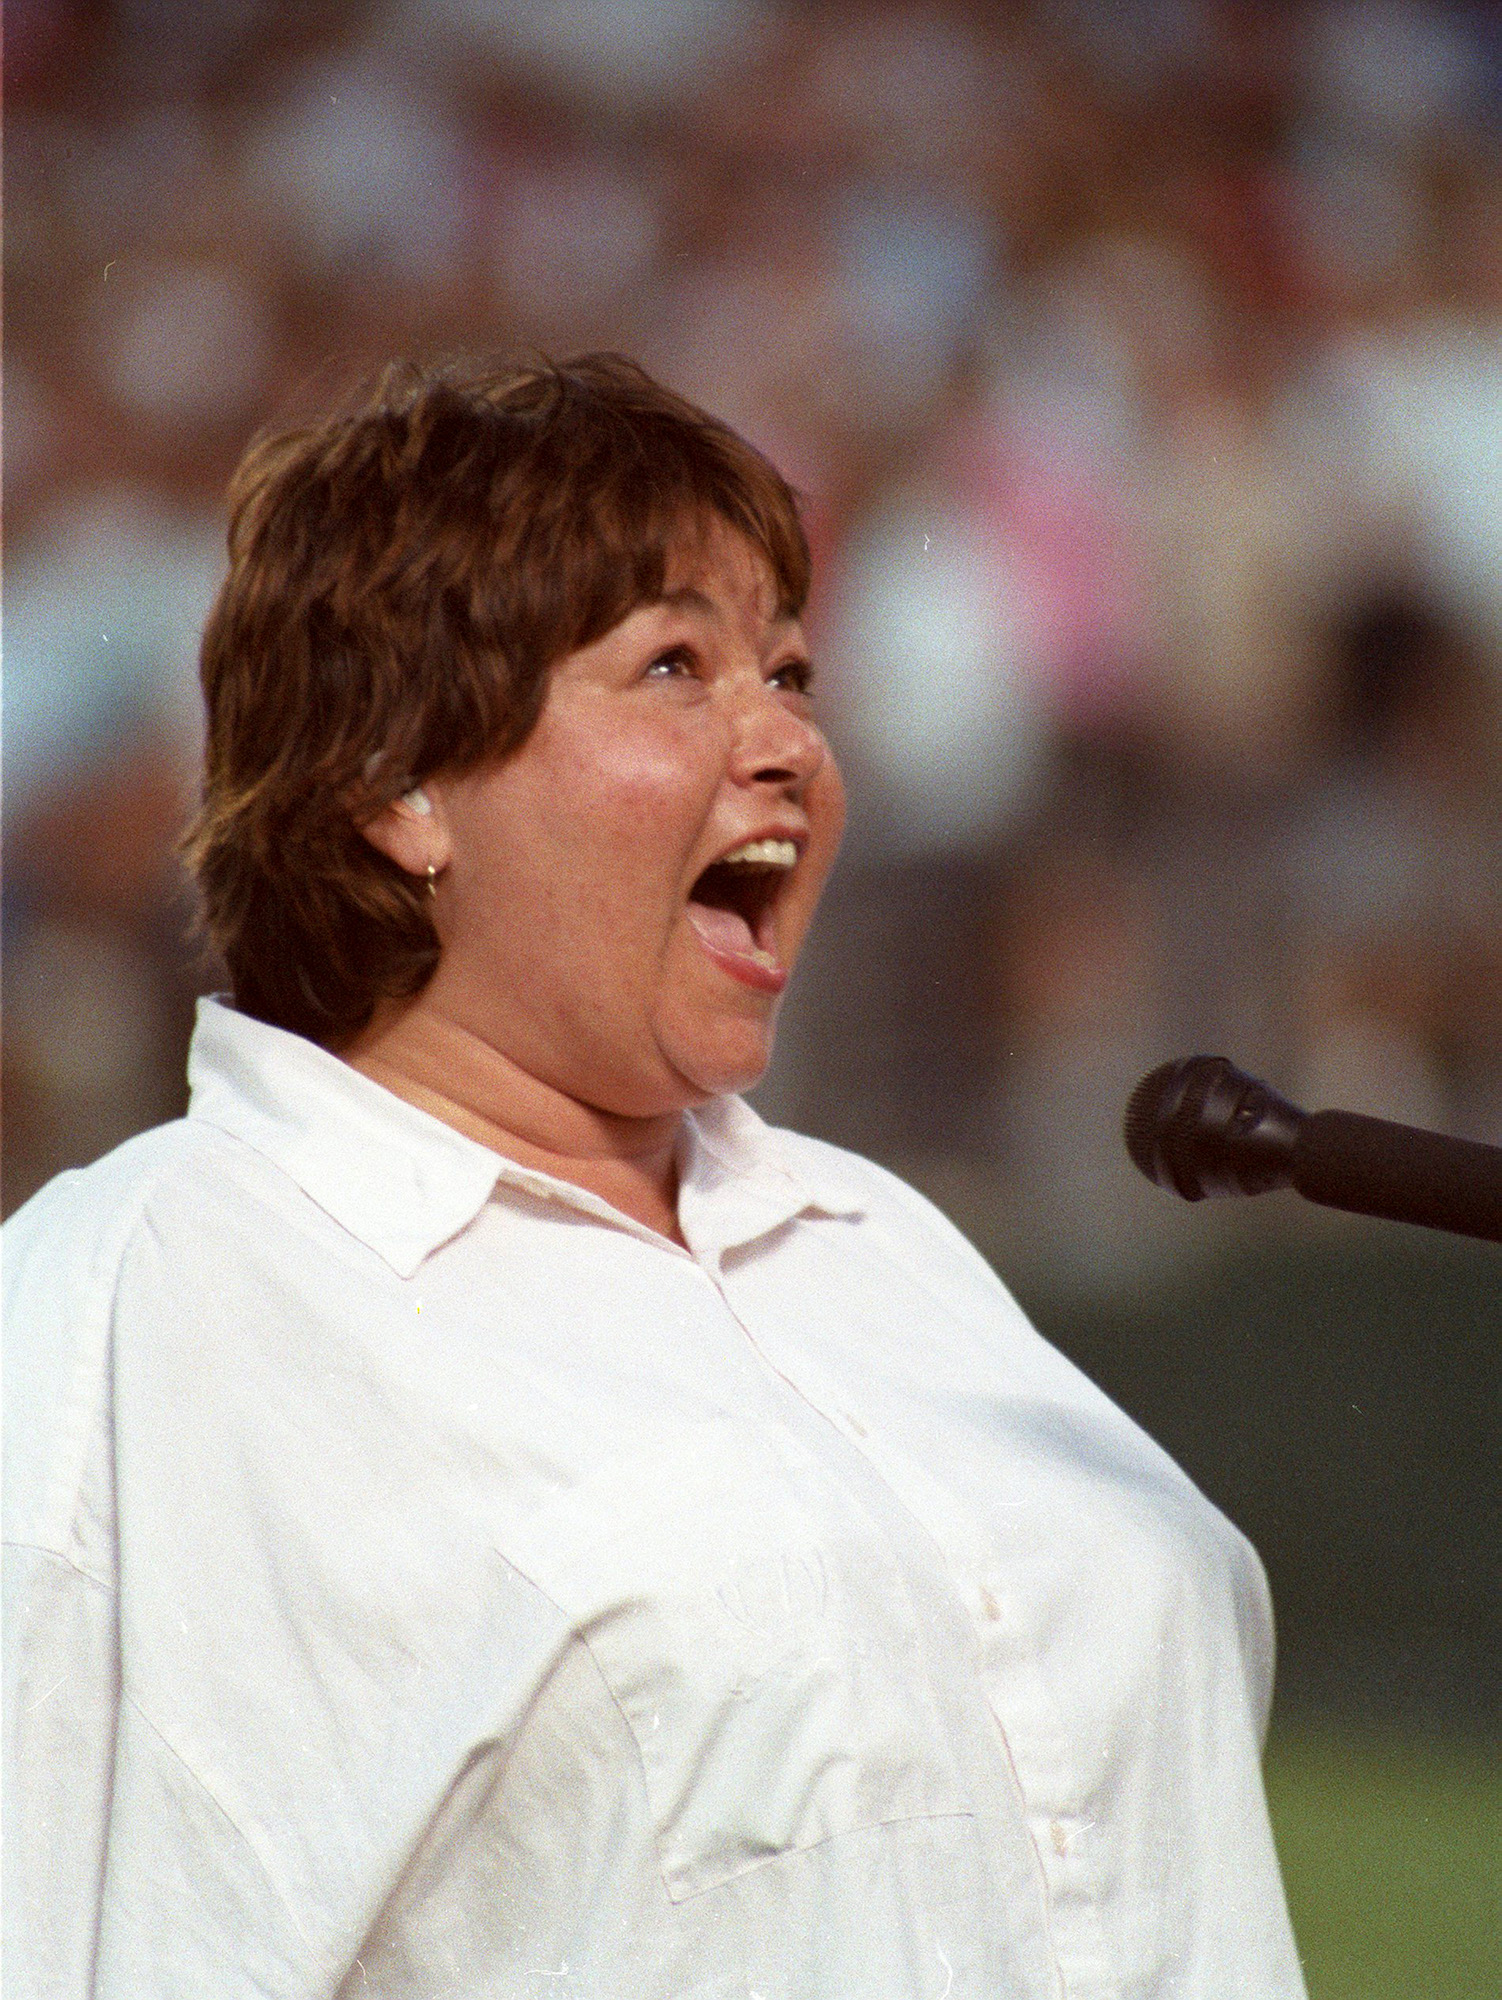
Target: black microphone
1202, 1127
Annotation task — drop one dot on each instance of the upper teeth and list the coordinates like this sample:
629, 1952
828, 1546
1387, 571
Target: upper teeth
765, 853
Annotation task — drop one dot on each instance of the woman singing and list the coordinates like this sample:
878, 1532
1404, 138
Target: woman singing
487, 1516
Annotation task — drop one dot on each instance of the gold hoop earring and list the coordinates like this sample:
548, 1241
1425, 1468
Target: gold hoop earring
432, 881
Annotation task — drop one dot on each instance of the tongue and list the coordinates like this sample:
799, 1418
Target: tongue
722, 930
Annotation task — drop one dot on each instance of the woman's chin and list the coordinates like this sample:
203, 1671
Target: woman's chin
719, 1060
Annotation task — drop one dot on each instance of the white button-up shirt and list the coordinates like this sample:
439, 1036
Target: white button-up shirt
427, 1581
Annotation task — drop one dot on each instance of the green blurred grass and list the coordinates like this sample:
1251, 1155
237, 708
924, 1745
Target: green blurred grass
1391, 1846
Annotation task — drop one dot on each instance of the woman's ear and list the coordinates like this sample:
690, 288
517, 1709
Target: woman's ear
412, 831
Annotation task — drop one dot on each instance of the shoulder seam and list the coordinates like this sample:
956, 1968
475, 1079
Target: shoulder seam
133, 1211
113, 1236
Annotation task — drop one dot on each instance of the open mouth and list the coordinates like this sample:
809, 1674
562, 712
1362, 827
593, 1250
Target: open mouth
733, 903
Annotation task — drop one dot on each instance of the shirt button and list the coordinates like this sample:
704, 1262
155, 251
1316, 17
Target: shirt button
857, 1426
989, 1605
1058, 1836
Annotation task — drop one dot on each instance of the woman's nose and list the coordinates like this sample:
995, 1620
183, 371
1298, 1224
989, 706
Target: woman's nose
774, 745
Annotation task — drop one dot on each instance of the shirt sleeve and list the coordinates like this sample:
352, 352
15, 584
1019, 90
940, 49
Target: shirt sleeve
109, 1838
61, 1640
61, 1689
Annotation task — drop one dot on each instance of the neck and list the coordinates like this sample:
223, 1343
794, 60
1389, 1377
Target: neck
449, 1071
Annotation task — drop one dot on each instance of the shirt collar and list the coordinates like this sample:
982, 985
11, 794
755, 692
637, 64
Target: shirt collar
404, 1183
400, 1180
740, 1178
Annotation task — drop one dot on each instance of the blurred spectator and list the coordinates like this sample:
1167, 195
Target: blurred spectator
935, 677
361, 166
1082, 1004
1398, 876
186, 345
104, 606
637, 56
98, 974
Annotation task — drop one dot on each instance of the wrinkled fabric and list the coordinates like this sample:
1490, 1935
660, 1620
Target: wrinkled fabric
425, 1581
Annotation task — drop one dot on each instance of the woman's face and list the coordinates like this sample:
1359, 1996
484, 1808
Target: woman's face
581, 934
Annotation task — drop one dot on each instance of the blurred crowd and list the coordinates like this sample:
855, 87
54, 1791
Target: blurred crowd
1140, 367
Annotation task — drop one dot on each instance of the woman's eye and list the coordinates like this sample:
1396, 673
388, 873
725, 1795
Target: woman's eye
797, 675
668, 666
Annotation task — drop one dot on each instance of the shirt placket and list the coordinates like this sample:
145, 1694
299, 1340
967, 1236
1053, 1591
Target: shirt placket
1031, 1731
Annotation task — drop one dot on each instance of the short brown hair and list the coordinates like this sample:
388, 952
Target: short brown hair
402, 576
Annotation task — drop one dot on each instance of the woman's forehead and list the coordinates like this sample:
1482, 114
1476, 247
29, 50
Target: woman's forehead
713, 565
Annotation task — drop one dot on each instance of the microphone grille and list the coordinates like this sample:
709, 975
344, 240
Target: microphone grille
1201, 1126
1164, 1105
1145, 1117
